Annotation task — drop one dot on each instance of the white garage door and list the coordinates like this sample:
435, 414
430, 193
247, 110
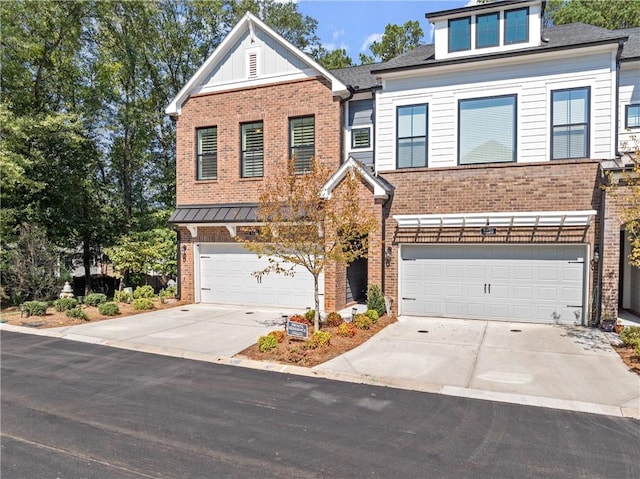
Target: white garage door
225, 272
532, 283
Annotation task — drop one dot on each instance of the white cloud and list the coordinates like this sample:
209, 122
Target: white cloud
337, 34
374, 37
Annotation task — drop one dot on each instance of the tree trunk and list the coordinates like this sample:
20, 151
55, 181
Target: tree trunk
316, 297
86, 262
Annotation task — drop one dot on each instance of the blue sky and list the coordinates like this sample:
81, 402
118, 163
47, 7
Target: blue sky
354, 24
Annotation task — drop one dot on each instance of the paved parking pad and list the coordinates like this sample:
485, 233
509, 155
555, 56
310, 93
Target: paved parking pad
571, 367
197, 328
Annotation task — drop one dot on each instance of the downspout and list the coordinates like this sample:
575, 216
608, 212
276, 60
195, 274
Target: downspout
597, 313
616, 125
343, 121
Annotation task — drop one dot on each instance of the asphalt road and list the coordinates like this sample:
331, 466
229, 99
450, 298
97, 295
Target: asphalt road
75, 410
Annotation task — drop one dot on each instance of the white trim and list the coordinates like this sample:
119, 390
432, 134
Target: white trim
248, 22
193, 229
351, 164
508, 219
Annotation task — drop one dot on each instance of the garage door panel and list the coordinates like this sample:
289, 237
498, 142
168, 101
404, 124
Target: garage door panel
532, 283
227, 276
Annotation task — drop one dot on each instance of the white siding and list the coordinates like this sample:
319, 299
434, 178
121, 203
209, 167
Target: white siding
629, 94
530, 78
275, 63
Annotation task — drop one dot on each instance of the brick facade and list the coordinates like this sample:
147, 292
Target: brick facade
566, 185
274, 105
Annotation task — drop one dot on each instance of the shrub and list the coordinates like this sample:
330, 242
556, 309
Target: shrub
63, 304
77, 313
145, 291
347, 330
298, 318
109, 309
35, 308
373, 315
95, 299
310, 314
122, 297
168, 293
375, 299
142, 304
333, 319
630, 336
267, 343
362, 321
278, 334
319, 339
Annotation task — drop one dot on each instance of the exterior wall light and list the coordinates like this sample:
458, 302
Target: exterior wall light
388, 256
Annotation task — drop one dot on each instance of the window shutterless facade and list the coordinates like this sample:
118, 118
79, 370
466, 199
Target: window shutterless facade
412, 136
487, 130
516, 26
360, 138
487, 30
207, 153
460, 34
570, 123
252, 146
302, 142
632, 116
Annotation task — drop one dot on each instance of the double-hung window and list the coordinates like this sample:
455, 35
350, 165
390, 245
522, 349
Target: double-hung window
302, 138
570, 123
207, 153
460, 34
412, 136
516, 26
252, 161
632, 116
487, 30
487, 130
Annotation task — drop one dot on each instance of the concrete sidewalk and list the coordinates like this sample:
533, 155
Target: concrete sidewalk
571, 368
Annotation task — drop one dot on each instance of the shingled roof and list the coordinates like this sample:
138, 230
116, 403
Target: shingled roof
359, 77
631, 49
574, 35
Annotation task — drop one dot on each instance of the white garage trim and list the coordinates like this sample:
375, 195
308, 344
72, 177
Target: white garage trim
510, 282
512, 218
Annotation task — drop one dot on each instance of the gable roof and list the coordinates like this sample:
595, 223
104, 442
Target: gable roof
248, 23
561, 37
381, 189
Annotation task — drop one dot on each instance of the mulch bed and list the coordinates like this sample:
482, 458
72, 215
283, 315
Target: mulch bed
293, 351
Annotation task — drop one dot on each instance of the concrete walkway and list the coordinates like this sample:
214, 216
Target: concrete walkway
561, 367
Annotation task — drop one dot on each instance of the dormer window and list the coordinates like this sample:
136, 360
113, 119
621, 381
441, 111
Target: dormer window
516, 26
487, 30
460, 34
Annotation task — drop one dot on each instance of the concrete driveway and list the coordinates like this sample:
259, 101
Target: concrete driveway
210, 330
556, 366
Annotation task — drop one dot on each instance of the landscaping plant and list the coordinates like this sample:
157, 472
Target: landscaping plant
77, 313
373, 315
267, 343
145, 291
109, 309
143, 304
347, 330
35, 308
375, 299
630, 336
333, 319
362, 321
122, 297
95, 299
64, 304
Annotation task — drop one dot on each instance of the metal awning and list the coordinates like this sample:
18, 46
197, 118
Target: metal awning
505, 219
229, 216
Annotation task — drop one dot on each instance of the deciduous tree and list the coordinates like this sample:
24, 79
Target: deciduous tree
300, 228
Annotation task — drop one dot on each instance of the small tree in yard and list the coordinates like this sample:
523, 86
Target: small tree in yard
303, 229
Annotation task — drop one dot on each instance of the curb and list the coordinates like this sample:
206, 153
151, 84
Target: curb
480, 394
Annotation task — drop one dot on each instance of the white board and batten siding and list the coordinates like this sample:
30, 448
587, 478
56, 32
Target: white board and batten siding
532, 80
273, 62
224, 274
521, 283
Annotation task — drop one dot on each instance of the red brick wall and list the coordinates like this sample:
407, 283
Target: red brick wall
566, 185
272, 104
